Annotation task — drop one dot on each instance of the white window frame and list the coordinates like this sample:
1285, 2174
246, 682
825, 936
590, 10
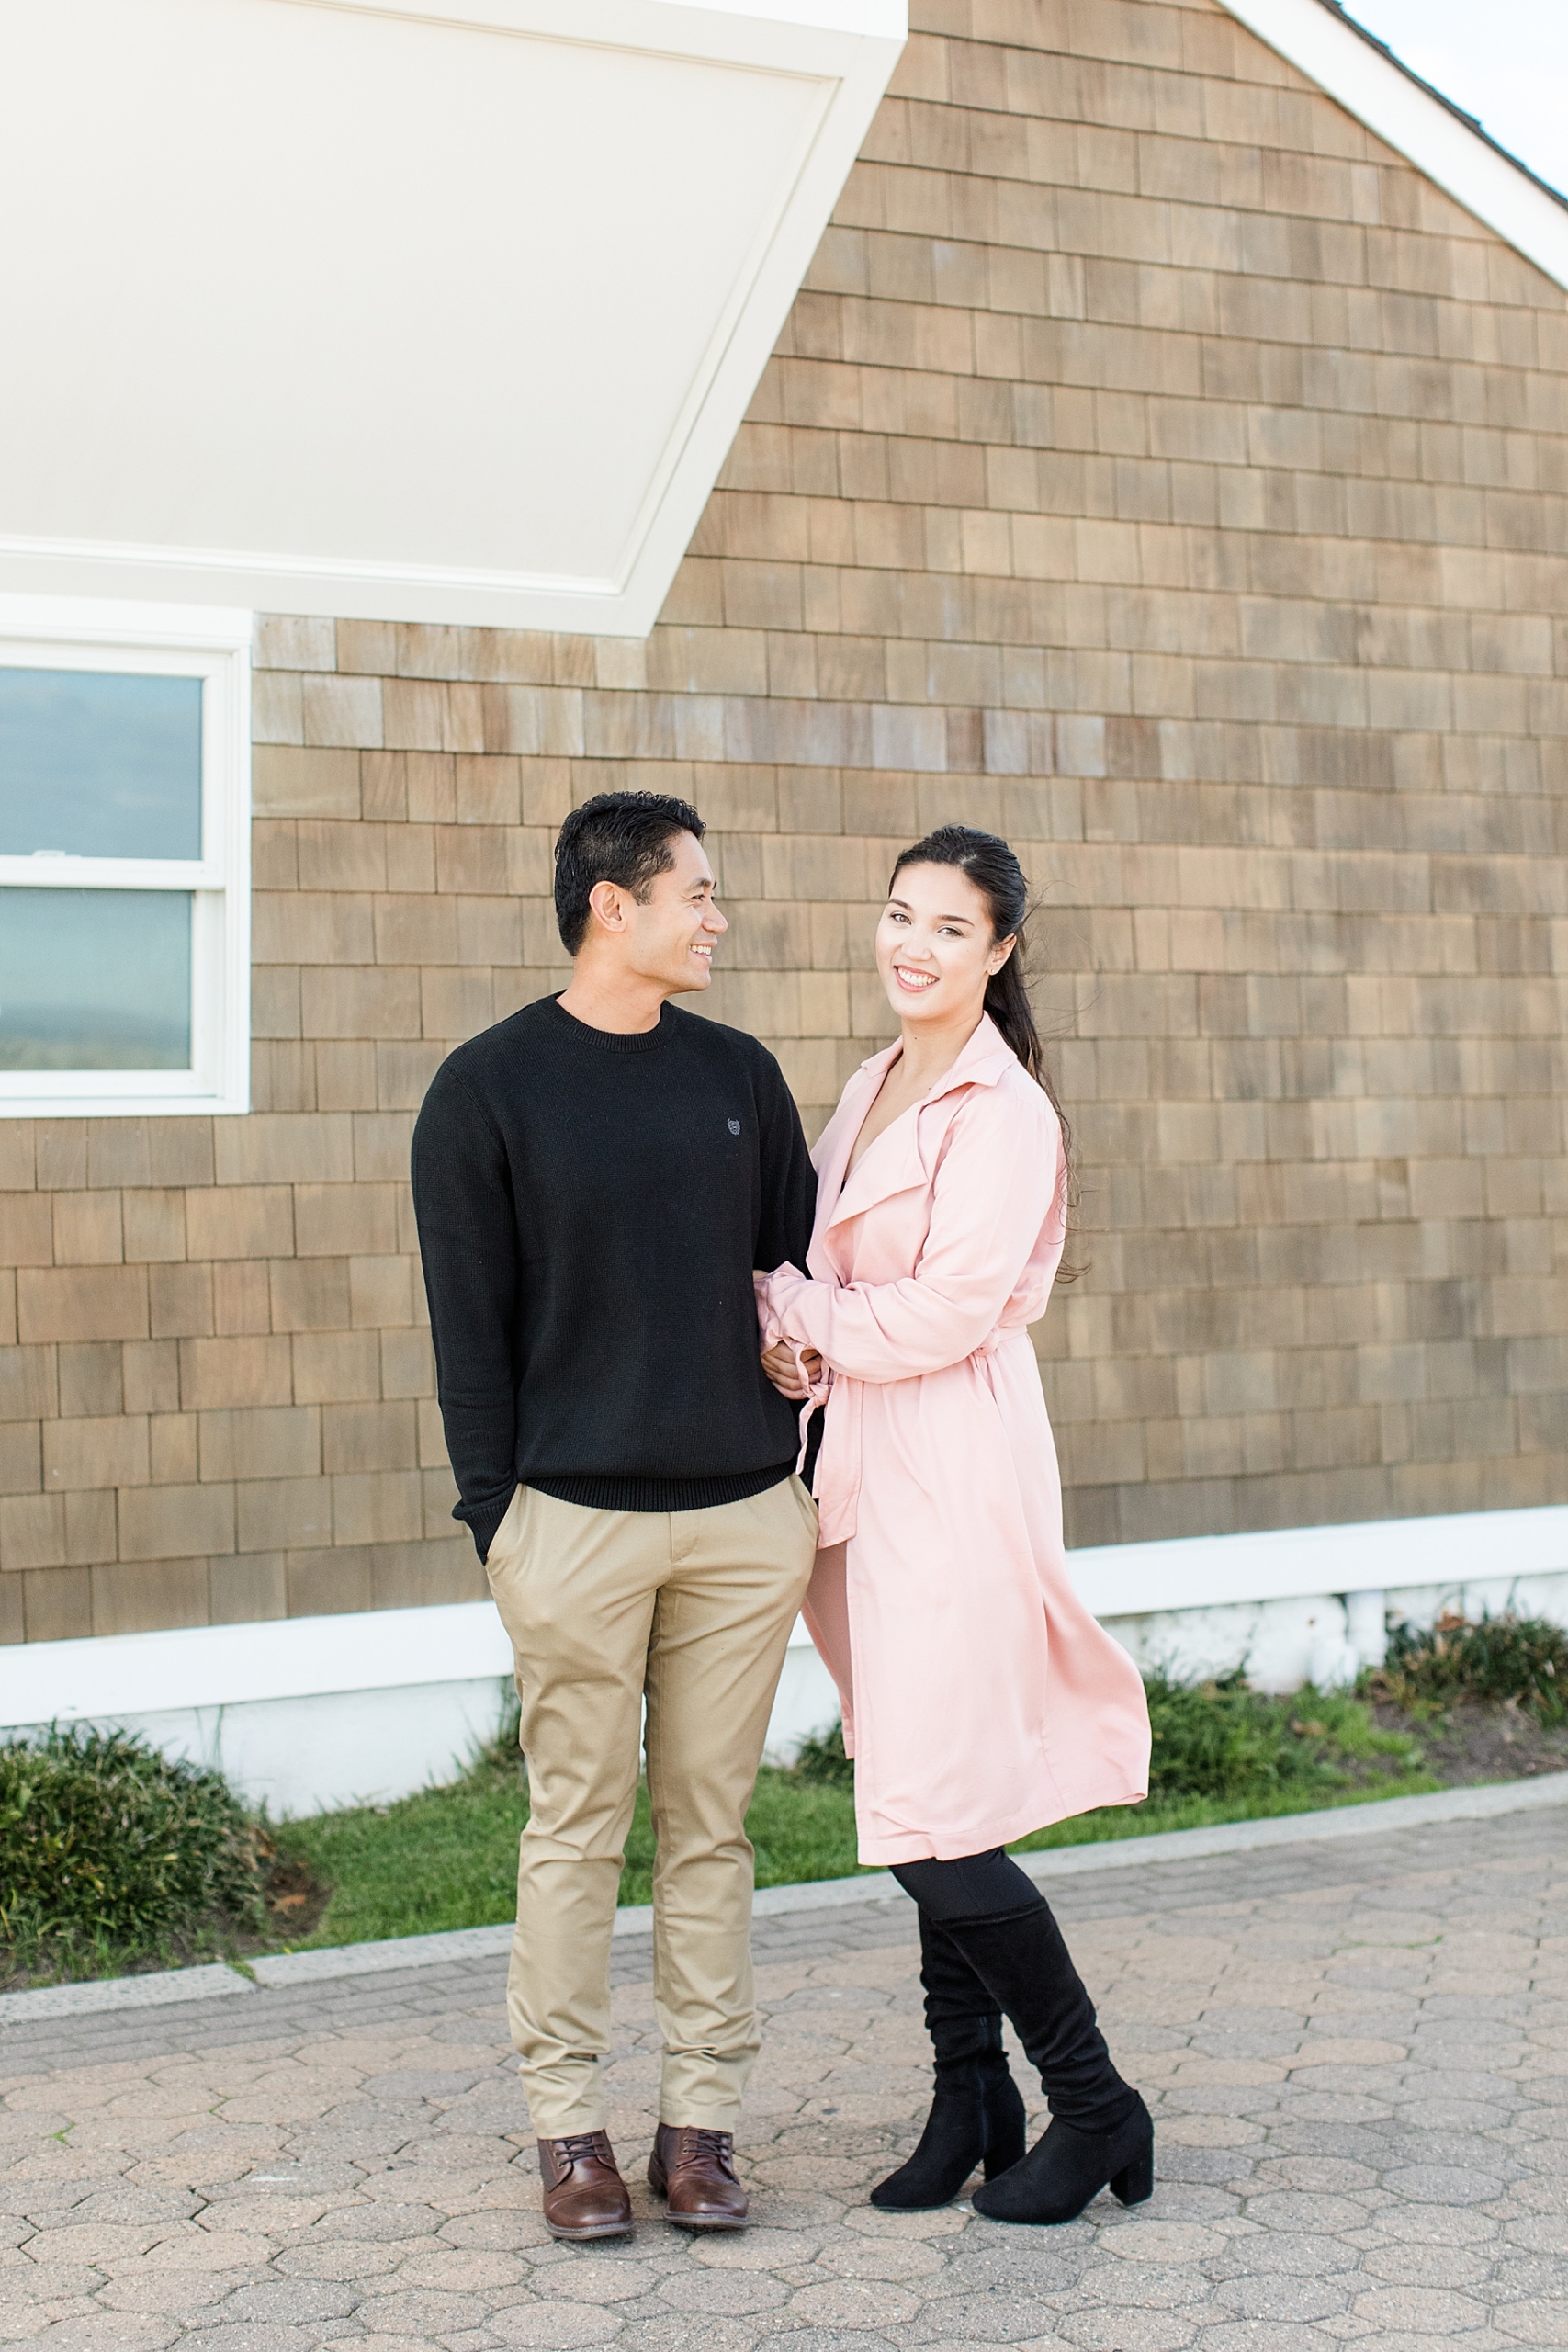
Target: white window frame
208, 642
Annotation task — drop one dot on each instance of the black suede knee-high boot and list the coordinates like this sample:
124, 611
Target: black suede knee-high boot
977, 2114
1101, 2133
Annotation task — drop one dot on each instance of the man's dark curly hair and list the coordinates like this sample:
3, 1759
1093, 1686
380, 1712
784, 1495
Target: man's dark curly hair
620, 837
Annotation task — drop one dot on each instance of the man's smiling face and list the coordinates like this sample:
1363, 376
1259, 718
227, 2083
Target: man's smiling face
674, 929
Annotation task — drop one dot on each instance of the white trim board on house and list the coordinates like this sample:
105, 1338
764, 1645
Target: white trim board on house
1352, 66
293, 1658
305, 1712
874, 19
1449, 1548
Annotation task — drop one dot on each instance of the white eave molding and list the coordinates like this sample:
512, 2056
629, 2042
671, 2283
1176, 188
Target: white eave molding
474, 294
1320, 39
464, 319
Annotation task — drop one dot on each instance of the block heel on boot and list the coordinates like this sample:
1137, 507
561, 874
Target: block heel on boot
1134, 2184
1068, 2168
976, 2118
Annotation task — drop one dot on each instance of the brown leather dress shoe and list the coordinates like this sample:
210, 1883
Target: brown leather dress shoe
585, 2194
696, 2170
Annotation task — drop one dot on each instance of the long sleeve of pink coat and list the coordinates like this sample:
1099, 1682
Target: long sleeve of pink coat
994, 1196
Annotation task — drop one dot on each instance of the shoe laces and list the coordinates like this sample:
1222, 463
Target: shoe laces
701, 2142
580, 2147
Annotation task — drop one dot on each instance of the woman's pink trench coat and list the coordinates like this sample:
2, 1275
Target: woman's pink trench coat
980, 1698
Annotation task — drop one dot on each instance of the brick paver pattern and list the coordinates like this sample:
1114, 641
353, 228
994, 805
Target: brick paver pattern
1357, 2054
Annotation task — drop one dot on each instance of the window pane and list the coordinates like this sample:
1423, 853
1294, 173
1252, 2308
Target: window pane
99, 766
95, 979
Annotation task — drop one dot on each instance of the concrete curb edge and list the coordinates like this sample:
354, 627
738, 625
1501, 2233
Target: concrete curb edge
278, 1971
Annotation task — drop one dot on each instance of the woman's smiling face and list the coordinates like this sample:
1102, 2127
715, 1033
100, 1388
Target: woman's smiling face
934, 948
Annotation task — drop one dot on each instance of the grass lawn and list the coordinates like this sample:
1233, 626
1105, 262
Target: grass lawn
447, 1858
114, 1858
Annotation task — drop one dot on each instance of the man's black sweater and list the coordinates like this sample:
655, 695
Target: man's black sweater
590, 1208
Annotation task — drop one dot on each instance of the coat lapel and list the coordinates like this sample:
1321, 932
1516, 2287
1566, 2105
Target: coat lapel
896, 1162
892, 1165
838, 1138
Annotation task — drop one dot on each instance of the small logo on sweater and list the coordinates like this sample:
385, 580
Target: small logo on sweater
734, 1125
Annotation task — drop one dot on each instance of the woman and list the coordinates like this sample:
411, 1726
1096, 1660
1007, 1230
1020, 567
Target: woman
980, 1698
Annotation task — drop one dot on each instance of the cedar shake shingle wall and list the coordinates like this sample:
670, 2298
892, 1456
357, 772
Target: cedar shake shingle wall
1154, 468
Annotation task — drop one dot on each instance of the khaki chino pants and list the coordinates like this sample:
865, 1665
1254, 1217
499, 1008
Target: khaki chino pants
692, 1609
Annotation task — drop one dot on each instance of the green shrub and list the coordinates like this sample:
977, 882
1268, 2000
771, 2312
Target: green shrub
1210, 1740
1220, 1739
1521, 1659
1224, 1739
106, 1847
822, 1760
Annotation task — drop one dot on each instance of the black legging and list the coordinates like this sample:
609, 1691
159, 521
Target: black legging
973, 1886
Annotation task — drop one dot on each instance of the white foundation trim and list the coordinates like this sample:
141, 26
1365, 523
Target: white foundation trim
228, 1666
386, 1649
1317, 38
307, 1712
1293, 1563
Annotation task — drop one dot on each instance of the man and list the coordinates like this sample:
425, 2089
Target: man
595, 1180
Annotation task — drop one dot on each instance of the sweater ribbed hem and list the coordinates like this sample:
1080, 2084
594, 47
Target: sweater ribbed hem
662, 1494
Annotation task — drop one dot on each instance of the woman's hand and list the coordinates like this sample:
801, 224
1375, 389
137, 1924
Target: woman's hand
778, 1363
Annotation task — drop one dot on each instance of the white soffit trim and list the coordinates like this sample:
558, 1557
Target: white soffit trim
1316, 36
883, 19
419, 309
384, 1649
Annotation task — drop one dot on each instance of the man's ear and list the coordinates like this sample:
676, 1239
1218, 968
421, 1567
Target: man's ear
607, 904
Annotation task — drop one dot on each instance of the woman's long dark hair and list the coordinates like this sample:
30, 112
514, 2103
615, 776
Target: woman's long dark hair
996, 873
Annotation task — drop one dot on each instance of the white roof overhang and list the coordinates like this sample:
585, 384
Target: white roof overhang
418, 310
1321, 41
